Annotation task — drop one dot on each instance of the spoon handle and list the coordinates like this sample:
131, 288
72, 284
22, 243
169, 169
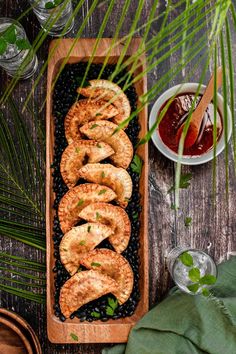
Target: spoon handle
208, 95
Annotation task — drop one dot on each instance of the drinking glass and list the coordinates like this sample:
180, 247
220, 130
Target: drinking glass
53, 15
192, 270
16, 56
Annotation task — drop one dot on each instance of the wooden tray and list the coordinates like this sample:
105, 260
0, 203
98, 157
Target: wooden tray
112, 331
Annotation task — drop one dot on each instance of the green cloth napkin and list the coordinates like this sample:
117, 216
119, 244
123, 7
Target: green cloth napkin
186, 324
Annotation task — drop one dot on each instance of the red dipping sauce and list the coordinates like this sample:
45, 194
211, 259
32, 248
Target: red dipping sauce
169, 125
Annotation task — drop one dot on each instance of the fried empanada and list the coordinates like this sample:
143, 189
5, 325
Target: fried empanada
109, 91
84, 287
114, 265
78, 198
119, 141
79, 241
116, 178
77, 153
113, 216
82, 112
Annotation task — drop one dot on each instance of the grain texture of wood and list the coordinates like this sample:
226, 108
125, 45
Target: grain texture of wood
213, 219
97, 332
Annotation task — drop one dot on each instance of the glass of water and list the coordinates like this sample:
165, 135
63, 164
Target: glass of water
193, 271
54, 15
16, 54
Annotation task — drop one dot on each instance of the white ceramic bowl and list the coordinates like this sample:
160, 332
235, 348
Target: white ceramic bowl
187, 160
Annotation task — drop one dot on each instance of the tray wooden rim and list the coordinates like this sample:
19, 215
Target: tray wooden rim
112, 331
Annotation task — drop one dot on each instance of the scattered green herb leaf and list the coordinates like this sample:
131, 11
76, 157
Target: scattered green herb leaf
74, 337
94, 126
82, 243
80, 202
95, 264
207, 279
98, 114
102, 191
99, 145
89, 228
77, 150
194, 274
187, 221
136, 164
186, 259
135, 216
183, 183
174, 207
109, 311
193, 287
96, 314
112, 305
97, 215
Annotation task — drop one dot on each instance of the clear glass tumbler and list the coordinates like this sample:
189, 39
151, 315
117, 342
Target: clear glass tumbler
193, 271
54, 15
16, 54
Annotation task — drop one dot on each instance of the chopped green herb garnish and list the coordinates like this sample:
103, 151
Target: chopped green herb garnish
89, 228
95, 314
98, 114
99, 145
135, 216
103, 174
95, 264
77, 150
80, 202
94, 126
187, 221
74, 337
136, 164
97, 215
102, 191
82, 243
112, 305
184, 182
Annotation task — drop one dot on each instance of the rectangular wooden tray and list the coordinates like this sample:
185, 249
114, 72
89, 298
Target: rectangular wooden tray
112, 331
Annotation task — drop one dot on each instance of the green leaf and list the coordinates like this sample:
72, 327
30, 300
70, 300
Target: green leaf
112, 303
207, 279
74, 337
10, 34
103, 174
89, 228
82, 83
206, 292
23, 44
109, 311
136, 164
49, 5
95, 314
193, 288
98, 114
186, 259
187, 221
3, 46
82, 243
194, 274
95, 264
97, 216
77, 150
102, 191
80, 202
183, 183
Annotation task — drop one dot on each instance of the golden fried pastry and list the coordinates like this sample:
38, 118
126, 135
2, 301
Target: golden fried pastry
116, 266
108, 91
78, 198
77, 153
79, 241
82, 112
119, 141
84, 287
116, 178
113, 216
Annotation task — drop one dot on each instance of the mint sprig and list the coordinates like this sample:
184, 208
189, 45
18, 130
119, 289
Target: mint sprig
52, 4
184, 182
9, 36
136, 164
112, 306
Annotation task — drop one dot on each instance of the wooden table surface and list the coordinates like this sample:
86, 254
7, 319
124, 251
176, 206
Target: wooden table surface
211, 223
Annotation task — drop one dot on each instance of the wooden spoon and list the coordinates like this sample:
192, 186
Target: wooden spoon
198, 113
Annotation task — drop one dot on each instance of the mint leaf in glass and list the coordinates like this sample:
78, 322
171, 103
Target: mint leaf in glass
49, 5
10, 34
3, 46
186, 259
205, 292
22, 44
194, 274
207, 279
193, 288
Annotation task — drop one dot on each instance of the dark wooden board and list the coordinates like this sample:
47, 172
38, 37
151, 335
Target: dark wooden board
166, 227
112, 331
